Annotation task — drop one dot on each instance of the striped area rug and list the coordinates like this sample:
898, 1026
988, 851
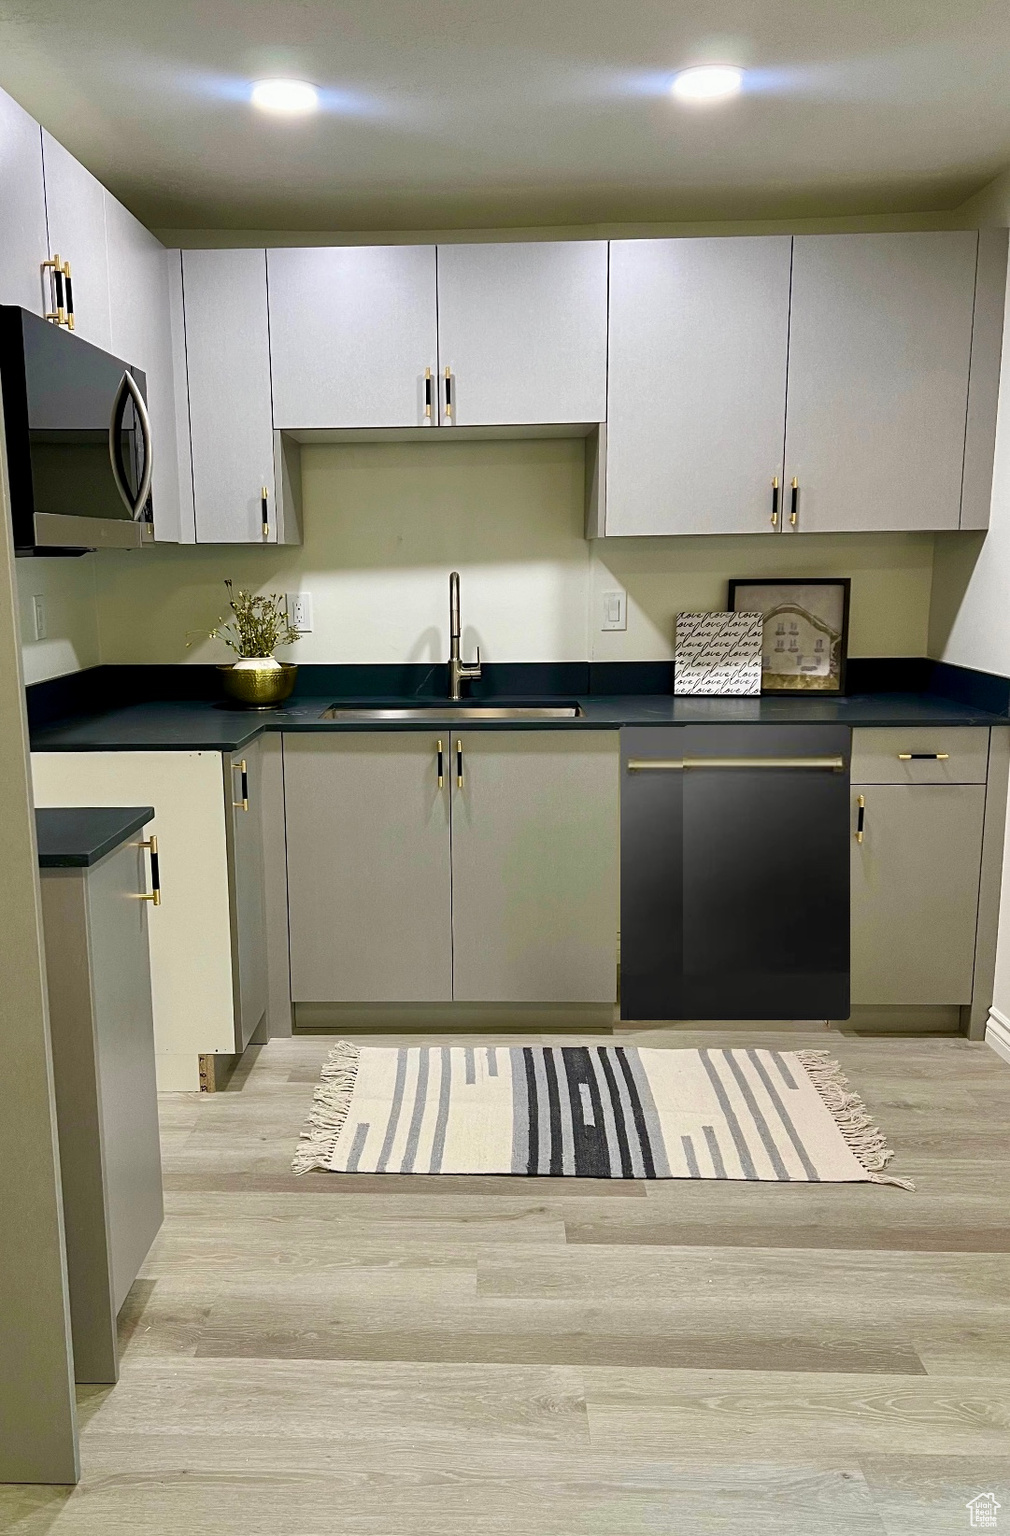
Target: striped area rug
591, 1111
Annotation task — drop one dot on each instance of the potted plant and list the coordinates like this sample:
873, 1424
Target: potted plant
253, 630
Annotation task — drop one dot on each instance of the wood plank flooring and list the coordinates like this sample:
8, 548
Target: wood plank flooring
342, 1355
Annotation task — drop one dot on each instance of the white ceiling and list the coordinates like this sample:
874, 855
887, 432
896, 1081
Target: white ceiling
493, 113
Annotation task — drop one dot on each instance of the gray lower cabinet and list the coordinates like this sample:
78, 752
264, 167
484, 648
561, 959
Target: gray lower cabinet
535, 867
509, 894
915, 892
99, 975
244, 821
368, 868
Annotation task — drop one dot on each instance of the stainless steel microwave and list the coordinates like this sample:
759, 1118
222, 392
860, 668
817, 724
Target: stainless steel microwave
79, 450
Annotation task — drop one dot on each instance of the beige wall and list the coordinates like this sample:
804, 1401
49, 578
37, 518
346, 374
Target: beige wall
68, 586
384, 524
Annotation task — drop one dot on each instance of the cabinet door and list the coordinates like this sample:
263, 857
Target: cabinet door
352, 330
24, 246
523, 330
368, 868
534, 867
915, 880
244, 809
141, 334
75, 207
231, 419
696, 403
879, 347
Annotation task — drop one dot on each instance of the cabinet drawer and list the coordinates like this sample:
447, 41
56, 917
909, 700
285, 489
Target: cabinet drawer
923, 755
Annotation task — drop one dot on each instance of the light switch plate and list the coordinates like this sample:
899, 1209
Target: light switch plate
39, 617
615, 610
299, 606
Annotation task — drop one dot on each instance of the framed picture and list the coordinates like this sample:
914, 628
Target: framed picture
805, 632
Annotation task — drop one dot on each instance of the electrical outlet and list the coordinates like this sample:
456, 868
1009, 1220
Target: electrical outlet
39, 617
615, 610
300, 611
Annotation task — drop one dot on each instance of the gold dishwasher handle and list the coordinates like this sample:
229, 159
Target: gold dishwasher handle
665, 764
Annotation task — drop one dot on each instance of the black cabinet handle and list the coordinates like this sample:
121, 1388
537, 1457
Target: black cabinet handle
861, 818
923, 757
459, 765
58, 313
794, 504
70, 296
427, 394
448, 395
775, 502
441, 766
265, 510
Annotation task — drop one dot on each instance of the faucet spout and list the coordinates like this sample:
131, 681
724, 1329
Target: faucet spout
459, 671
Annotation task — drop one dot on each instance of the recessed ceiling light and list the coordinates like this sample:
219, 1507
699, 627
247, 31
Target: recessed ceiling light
708, 82
289, 98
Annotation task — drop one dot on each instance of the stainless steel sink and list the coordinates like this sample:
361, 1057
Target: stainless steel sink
436, 711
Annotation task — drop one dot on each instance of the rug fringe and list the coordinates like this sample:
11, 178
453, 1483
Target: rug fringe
330, 1104
862, 1137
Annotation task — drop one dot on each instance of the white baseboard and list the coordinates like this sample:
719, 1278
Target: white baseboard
997, 1034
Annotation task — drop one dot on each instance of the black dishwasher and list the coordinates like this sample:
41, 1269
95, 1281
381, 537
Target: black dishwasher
735, 872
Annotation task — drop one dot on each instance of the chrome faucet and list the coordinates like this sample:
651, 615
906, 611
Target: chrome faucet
459, 671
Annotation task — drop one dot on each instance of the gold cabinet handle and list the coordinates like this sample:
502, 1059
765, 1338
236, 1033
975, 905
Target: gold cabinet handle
58, 313
265, 511
448, 396
427, 394
441, 767
923, 757
459, 765
861, 818
242, 768
775, 502
794, 503
154, 894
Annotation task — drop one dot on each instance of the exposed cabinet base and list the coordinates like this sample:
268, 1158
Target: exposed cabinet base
471, 1018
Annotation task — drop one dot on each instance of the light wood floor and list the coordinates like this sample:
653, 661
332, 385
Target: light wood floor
412, 1356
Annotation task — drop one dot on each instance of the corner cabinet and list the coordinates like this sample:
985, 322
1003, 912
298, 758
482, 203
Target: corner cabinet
25, 243
208, 938
926, 818
245, 476
473, 866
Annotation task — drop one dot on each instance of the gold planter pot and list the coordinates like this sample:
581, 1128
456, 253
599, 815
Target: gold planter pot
259, 687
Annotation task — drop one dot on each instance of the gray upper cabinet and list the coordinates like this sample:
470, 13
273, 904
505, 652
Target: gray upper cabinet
75, 208
245, 808
879, 352
522, 329
368, 868
24, 245
230, 411
699, 332
352, 330
535, 866
141, 334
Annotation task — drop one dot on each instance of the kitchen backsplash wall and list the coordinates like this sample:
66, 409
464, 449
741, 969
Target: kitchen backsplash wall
385, 523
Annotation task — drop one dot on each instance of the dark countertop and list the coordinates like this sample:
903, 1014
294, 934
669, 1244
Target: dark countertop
76, 839
203, 726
